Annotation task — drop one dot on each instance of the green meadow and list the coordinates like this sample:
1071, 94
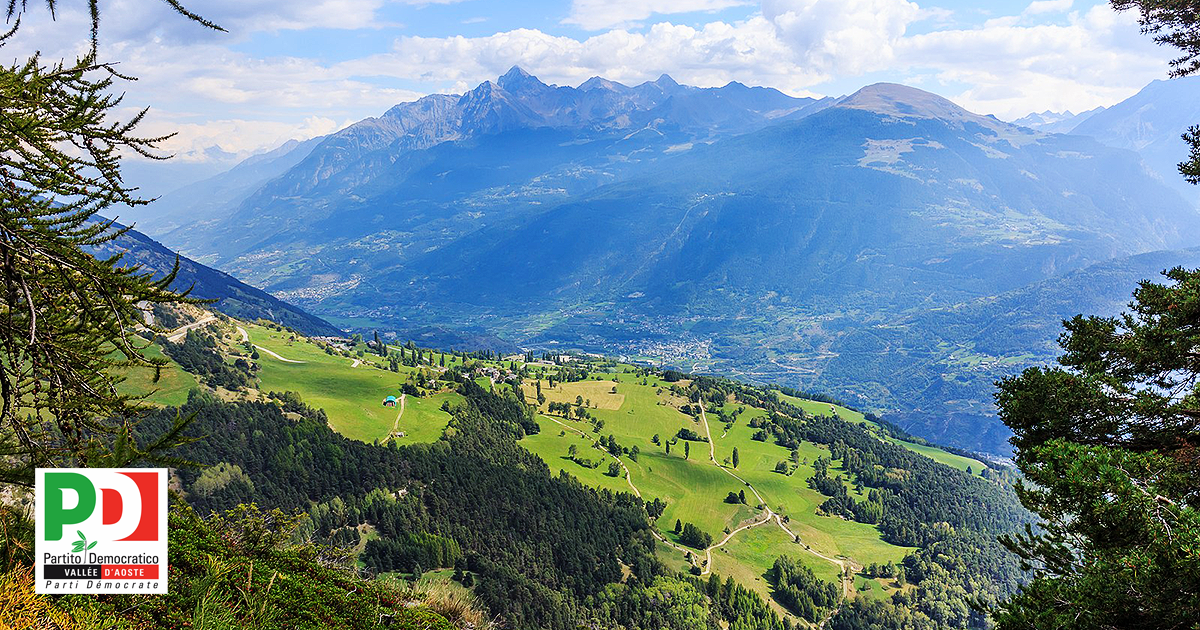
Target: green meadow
169, 390
695, 489
352, 397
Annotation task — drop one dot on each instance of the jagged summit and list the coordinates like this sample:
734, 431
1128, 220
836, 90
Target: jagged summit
517, 79
600, 83
515, 72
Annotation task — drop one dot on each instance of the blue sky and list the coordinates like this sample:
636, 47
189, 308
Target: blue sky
289, 69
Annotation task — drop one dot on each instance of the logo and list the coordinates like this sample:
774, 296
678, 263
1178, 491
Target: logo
101, 530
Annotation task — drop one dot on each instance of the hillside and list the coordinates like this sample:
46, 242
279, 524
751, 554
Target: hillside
665, 438
232, 297
1152, 122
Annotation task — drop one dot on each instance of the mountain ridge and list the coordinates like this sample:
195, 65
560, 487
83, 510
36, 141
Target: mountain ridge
231, 296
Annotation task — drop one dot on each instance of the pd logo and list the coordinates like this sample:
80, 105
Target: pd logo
101, 530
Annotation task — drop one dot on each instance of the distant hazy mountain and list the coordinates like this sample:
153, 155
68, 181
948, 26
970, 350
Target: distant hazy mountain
1151, 123
214, 198
233, 297
1055, 122
894, 196
155, 178
731, 229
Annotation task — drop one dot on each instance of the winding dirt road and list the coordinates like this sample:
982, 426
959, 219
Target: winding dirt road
179, 333
768, 516
276, 355
246, 338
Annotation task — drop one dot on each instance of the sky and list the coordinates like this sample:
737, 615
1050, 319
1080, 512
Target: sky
300, 68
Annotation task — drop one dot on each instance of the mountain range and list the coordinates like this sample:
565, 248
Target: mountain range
730, 229
1055, 122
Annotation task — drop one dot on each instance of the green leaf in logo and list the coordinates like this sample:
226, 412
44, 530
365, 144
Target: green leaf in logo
92, 545
79, 545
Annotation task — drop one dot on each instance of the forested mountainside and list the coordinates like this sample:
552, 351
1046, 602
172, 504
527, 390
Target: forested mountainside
674, 224
539, 482
946, 361
230, 295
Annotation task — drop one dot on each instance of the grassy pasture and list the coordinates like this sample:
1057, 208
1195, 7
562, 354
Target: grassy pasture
936, 454
599, 392
695, 490
351, 397
171, 389
942, 457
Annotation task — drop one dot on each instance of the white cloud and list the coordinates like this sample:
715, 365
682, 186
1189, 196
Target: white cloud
851, 36
712, 55
239, 137
594, 15
1049, 6
1097, 58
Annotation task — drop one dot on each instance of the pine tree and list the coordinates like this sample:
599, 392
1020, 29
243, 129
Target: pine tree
1108, 442
67, 318
736, 461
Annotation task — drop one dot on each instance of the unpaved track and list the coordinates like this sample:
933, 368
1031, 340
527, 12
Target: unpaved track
276, 355
179, 333
396, 424
770, 515
246, 338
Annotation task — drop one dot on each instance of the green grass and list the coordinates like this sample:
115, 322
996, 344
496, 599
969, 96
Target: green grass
695, 490
791, 496
351, 397
750, 554
423, 420
552, 447
877, 588
942, 457
823, 409
171, 389
932, 452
